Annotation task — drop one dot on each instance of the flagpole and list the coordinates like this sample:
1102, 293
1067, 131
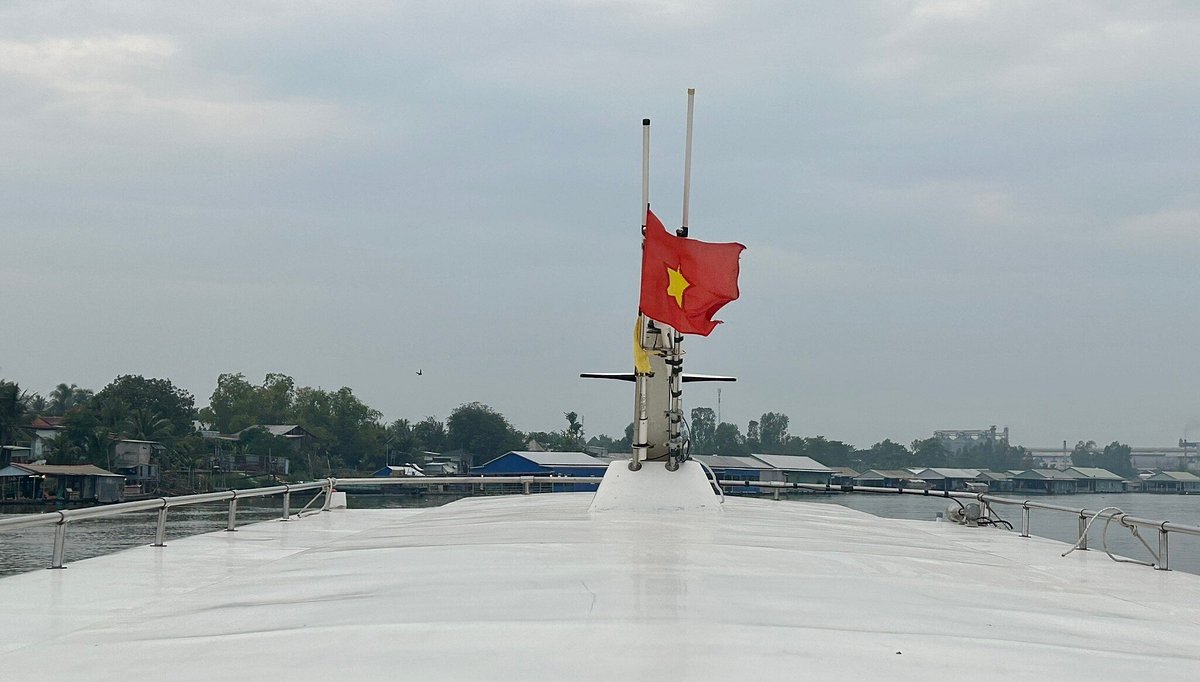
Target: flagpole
675, 383
687, 163
641, 432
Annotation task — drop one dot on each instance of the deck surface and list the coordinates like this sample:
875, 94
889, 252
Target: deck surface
535, 587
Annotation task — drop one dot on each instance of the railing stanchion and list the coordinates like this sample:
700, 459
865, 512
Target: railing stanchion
1083, 523
1164, 562
60, 543
1024, 521
287, 505
160, 531
328, 494
232, 524
525, 484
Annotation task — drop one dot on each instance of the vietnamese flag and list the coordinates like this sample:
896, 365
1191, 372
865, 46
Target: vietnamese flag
685, 281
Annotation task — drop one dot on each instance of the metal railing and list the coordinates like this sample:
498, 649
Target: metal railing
1163, 528
60, 519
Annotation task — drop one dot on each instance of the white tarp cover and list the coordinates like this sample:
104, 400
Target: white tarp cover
536, 588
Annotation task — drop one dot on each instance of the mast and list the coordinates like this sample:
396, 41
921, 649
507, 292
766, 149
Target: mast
658, 395
675, 442
641, 412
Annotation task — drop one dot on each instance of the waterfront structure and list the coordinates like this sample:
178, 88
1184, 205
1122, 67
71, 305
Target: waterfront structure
996, 481
1184, 482
133, 459
888, 478
793, 469
1046, 481
738, 468
940, 478
843, 476
15, 453
1096, 480
399, 471
60, 482
540, 463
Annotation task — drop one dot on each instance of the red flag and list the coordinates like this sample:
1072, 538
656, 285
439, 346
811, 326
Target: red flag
684, 281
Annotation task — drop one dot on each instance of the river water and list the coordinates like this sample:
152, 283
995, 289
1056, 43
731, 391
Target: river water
29, 549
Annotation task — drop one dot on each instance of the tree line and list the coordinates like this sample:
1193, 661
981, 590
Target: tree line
352, 437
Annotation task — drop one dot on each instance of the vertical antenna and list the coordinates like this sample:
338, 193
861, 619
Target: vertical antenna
641, 431
645, 171
687, 164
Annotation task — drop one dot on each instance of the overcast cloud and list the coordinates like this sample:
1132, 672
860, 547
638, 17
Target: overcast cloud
958, 213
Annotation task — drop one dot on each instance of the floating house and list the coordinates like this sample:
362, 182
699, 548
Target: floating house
1177, 482
63, 483
996, 481
737, 468
947, 479
843, 476
1095, 480
888, 478
794, 469
1044, 481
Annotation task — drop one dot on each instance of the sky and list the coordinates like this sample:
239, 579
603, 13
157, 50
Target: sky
957, 213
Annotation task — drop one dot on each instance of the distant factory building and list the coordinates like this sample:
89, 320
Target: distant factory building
957, 440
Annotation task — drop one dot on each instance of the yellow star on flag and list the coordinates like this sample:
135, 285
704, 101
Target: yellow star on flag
676, 285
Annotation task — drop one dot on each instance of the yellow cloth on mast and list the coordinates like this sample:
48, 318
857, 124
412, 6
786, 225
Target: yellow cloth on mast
641, 360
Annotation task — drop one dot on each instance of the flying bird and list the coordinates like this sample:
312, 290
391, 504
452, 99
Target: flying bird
418, 372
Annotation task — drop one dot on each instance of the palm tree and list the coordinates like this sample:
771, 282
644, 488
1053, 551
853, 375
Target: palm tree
35, 404
62, 450
61, 398
12, 409
65, 398
98, 444
143, 424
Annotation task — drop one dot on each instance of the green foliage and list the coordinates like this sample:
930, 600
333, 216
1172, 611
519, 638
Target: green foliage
930, 453
887, 454
1116, 458
430, 434
728, 440
65, 398
703, 429
833, 453
773, 430
481, 431
237, 404
347, 429
154, 399
13, 410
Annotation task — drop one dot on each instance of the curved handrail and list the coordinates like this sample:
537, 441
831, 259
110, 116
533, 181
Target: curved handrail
162, 504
